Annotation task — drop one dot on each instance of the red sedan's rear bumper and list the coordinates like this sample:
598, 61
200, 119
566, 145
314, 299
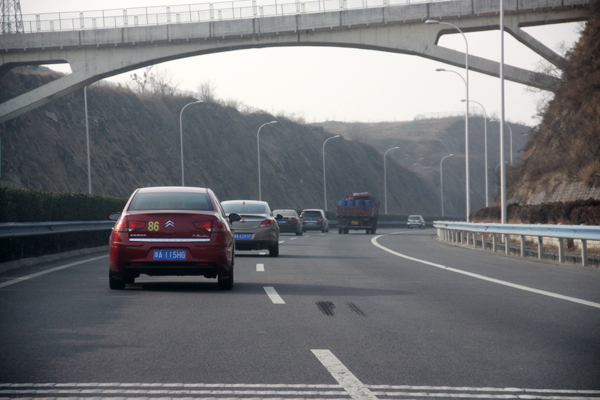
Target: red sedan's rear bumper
207, 259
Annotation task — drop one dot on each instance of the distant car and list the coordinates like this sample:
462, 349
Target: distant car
314, 220
290, 223
172, 231
416, 221
257, 229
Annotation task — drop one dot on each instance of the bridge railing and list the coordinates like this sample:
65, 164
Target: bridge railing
245, 9
179, 14
493, 236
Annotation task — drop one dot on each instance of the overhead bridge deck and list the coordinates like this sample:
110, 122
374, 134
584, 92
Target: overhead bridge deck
95, 51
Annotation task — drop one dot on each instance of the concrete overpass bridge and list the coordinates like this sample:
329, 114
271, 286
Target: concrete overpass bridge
101, 44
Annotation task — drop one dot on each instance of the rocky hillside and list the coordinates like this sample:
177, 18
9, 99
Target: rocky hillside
134, 142
562, 160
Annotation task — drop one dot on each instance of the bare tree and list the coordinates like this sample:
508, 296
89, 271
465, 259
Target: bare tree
207, 91
148, 81
162, 83
141, 83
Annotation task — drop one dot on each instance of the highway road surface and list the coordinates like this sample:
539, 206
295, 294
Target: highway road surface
397, 315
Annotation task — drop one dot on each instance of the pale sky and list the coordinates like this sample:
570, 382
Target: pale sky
348, 85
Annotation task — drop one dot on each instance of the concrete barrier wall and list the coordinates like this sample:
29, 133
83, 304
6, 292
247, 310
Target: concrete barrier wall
451, 9
414, 12
362, 17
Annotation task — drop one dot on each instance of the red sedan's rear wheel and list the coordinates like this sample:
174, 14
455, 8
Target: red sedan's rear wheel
115, 283
225, 282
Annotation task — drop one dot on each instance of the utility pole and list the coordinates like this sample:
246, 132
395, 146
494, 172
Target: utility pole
12, 19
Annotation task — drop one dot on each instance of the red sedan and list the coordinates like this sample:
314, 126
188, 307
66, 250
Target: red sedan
172, 231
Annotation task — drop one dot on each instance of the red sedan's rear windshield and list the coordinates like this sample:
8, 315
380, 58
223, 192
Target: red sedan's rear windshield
171, 201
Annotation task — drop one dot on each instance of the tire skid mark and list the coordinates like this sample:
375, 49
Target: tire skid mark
326, 307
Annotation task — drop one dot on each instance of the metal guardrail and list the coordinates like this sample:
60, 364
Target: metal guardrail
556, 231
466, 233
14, 229
228, 10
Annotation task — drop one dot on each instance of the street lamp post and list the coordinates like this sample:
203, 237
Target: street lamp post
324, 175
87, 136
181, 137
498, 185
442, 181
485, 151
468, 194
385, 177
503, 206
511, 146
258, 148
430, 21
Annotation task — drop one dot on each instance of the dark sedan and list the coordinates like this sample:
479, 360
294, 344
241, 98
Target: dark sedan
290, 223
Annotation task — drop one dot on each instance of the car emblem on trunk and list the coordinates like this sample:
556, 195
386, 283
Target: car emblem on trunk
170, 224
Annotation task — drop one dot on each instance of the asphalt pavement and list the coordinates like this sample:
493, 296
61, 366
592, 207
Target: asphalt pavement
397, 315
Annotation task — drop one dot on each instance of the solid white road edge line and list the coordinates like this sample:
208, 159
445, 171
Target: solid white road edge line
24, 278
343, 376
485, 278
272, 293
260, 267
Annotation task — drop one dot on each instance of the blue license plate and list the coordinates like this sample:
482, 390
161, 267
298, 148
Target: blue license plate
169, 254
243, 236
311, 222
282, 222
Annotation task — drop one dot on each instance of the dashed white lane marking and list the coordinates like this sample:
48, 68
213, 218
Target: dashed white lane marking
24, 278
343, 376
293, 238
282, 241
262, 253
260, 267
272, 293
485, 278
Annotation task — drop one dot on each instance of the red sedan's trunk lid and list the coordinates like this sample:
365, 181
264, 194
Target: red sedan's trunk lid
169, 225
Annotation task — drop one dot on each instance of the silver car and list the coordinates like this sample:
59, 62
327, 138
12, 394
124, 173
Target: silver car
314, 219
415, 221
258, 229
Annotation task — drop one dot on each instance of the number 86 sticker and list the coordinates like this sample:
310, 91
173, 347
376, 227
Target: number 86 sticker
153, 226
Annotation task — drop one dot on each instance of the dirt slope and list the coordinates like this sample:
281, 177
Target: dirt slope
135, 142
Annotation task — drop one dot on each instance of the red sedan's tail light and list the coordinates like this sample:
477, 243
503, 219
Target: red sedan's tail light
218, 226
123, 225
136, 225
266, 223
207, 225
210, 226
